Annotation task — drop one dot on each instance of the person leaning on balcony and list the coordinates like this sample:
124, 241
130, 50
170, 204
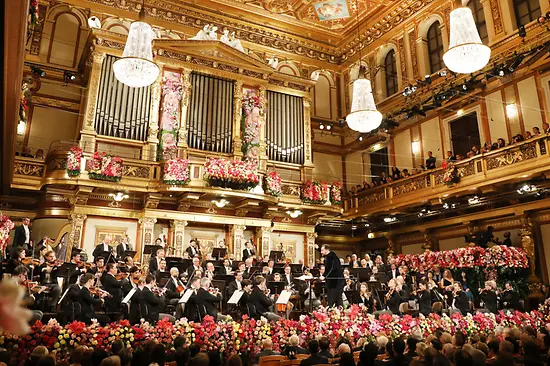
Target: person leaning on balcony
545, 127
430, 162
536, 131
450, 156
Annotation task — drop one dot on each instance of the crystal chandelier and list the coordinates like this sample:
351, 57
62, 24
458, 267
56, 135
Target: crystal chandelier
466, 53
136, 67
363, 117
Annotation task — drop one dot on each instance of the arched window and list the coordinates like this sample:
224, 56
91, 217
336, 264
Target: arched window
526, 11
479, 17
435, 48
390, 68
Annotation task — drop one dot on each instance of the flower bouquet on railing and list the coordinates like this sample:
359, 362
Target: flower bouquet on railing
5, 226
451, 176
314, 193
176, 172
336, 193
273, 184
73, 161
105, 167
234, 174
505, 256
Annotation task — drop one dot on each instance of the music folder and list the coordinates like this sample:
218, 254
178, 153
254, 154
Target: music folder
284, 297
128, 297
186, 296
236, 297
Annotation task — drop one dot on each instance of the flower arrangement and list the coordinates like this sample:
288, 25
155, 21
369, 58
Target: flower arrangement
234, 174
33, 12
467, 257
314, 192
336, 193
105, 167
451, 176
246, 336
272, 184
73, 161
176, 172
252, 110
5, 226
172, 92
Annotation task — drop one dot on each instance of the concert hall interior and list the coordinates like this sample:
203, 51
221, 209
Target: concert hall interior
169, 159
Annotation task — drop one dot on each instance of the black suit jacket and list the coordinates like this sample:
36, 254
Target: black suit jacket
248, 253
461, 302
490, 300
19, 236
260, 301
314, 359
120, 250
87, 303
43, 273
153, 303
112, 286
424, 302
153, 264
138, 310
326, 354
393, 302
286, 281
100, 249
232, 288
192, 252
171, 290
209, 301
333, 271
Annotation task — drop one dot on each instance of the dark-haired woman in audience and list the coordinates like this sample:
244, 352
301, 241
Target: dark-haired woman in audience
536, 131
501, 142
366, 297
545, 290
395, 173
467, 291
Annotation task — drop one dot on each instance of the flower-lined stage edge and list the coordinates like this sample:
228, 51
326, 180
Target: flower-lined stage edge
176, 172
252, 111
315, 192
247, 336
336, 193
234, 174
273, 184
172, 92
73, 161
5, 226
105, 167
467, 257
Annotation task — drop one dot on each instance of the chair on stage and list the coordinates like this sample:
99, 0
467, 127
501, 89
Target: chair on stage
271, 360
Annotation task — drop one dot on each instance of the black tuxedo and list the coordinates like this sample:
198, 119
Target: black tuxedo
191, 271
294, 350
260, 301
490, 300
137, 307
192, 252
247, 253
19, 237
510, 300
286, 281
153, 264
171, 288
424, 302
393, 302
100, 249
392, 274
461, 302
153, 303
314, 359
248, 272
232, 287
114, 287
121, 248
209, 301
43, 274
87, 303
334, 275
225, 271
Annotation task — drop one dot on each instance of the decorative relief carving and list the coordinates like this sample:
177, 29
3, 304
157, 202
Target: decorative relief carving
410, 185
373, 197
497, 16
526, 152
466, 170
401, 50
57, 164
93, 86
438, 177
412, 46
291, 190
33, 170
136, 171
56, 103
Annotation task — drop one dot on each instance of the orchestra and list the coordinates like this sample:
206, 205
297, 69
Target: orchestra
200, 286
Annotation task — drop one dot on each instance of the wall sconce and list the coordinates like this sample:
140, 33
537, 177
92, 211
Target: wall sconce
511, 110
460, 112
220, 203
416, 147
21, 128
294, 213
118, 197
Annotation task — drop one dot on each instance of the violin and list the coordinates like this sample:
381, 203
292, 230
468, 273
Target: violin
122, 275
99, 292
30, 261
180, 288
158, 291
56, 263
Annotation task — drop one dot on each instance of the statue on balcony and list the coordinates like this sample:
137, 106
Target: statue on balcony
207, 33
236, 43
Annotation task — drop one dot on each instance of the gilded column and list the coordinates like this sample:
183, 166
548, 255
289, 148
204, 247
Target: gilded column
430, 242
263, 145
182, 132
391, 248
75, 236
178, 233
237, 117
237, 238
147, 228
87, 139
310, 248
528, 244
307, 130
263, 240
150, 150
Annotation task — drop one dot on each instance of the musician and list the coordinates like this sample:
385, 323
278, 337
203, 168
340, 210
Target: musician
104, 247
19, 275
209, 298
87, 301
154, 262
162, 269
374, 276
236, 284
393, 272
128, 264
22, 236
305, 294
404, 289
153, 302
123, 247
393, 299
112, 286
460, 300
379, 263
437, 273
262, 303
210, 271
421, 274
367, 300
193, 249
196, 266
190, 310
510, 298
175, 290
48, 276
270, 267
248, 271
303, 267
322, 270
133, 280
489, 297
404, 272
424, 298
431, 282
17, 259
334, 277
248, 251
226, 269
80, 267
99, 266
247, 286
287, 277
447, 283
354, 261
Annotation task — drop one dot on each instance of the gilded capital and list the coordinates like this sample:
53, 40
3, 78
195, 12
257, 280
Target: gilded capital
147, 221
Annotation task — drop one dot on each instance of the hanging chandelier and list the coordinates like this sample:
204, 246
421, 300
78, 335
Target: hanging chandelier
363, 117
136, 67
466, 53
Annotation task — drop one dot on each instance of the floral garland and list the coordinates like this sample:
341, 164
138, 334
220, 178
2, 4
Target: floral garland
336, 193
234, 174
33, 12
467, 257
252, 110
176, 172
314, 192
451, 176
172, 91
273, 184
105, 167
73, 161
247, 336
5, 226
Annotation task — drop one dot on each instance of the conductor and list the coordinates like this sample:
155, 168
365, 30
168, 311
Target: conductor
334, 276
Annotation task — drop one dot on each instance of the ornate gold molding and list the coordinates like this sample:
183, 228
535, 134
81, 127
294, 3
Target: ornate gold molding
56, 103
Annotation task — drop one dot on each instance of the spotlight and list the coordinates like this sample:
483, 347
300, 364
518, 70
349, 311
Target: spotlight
521, 31
420, 214
361, 138
517, 61
322, 126
442, 73
68, 76
329, 126
474, 200
446, 206
367, 224
389, 219
38, 71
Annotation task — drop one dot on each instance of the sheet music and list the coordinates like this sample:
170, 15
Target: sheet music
284, 297
305, 278
236, 297
186, 296
128, 297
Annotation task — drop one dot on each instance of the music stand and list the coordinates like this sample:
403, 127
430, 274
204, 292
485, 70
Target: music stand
276, 255
275, 287
151, 249
109, 257
129, 253
219, 253
296, 268
362, 273
353, 297
162, 278
66, 270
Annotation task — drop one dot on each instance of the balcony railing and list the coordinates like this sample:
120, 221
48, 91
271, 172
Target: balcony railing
511, 163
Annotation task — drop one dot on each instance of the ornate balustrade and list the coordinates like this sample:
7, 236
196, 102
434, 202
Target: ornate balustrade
505, 165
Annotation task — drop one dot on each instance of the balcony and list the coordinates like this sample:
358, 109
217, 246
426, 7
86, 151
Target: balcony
481, 173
